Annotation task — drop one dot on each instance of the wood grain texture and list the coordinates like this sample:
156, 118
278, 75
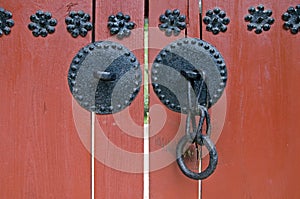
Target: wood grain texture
259, 143
166, 179
42, 156
119, 137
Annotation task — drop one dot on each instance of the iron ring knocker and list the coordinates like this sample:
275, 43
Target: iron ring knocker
213, 156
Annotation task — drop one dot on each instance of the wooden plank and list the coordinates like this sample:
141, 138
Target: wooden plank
41, 153
119, 137
258, 145
166, 179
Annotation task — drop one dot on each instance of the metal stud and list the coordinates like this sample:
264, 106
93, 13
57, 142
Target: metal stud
120, 25
78, 23
172, 22
42, 24
259, 19
292, 19
216, 21
6, 22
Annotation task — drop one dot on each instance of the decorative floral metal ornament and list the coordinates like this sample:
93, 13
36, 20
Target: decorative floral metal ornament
78, 23
5, 22
172, 22
292, 19
259, 19
216, 21
42, 24
120, 25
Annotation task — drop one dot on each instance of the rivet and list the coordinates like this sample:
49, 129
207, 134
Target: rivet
79, 55
76, 60
106, 46
113, 46
126, 102
133, 59
179, 43
167, 101
193, 42
158, 59
136, 90
158, 91
74, 67
86, 50
120, 48
163, 54
73, 75
155, 85
136, 83
119, 106
132, 97
102, 108
91, 47
127, 53
111, 108
186, 41
98, 44
154, 71
162, 97
173, 46
172, 105
219, 61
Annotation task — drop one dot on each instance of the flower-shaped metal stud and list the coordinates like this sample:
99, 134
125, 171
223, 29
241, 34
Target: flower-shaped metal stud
120, 25
260, 19
172, 22
216, 21
5, 22
78, 23
42, 24
292, 19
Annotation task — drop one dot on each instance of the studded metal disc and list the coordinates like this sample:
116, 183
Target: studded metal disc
188, 54
104, 77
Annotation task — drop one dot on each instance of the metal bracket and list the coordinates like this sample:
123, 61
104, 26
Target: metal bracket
184, 59
104, 77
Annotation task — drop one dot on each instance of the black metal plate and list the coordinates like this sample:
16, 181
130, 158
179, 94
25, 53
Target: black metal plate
194, 55
99, 95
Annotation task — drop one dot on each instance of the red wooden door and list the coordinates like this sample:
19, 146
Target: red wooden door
41, 153
50, 147
255, 118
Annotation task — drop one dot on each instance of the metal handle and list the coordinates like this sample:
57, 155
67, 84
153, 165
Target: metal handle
213, 156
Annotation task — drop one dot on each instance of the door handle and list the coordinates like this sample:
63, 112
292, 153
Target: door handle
104, 77
189, 76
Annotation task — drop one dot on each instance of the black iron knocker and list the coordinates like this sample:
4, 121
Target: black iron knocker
189, 76
194, 135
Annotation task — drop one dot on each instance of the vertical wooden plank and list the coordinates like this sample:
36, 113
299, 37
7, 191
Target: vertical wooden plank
119, 137
41, 153
166, 179
258, 145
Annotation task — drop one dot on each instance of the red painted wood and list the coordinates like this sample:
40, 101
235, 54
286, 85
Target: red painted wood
119, 174
41, 153
259, 144
167, 127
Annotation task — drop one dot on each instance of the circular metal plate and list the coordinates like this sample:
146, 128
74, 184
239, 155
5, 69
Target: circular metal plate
104, 77
188, 54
